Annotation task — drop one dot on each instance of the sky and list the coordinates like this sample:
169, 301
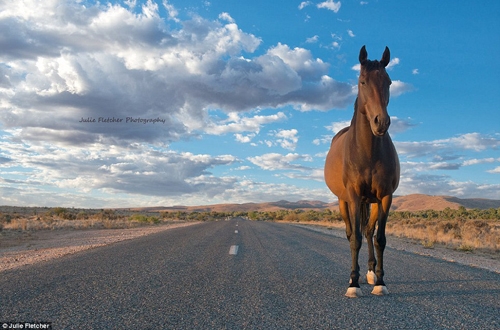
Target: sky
192, 102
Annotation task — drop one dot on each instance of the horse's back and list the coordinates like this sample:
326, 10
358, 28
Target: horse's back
334, 164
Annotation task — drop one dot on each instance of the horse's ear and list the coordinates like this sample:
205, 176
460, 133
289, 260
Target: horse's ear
386, 57
363, 55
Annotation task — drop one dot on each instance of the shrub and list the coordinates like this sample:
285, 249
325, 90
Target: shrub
144, 219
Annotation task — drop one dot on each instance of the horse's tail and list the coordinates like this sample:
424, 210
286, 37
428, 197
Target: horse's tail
365, 215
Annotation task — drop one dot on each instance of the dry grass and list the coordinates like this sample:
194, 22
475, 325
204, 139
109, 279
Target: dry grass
34, 223
34, 219
464, 235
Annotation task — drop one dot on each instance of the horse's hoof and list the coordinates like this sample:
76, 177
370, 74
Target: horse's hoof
371, 278
380, 290
353, 292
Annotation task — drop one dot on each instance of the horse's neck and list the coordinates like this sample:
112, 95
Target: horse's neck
362, 135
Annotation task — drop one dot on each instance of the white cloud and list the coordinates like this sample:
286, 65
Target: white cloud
496, 170
134, 169
414, 179
350, 33
336, 37
225, 16
172, 12
131, 3
398, 87
330, 5
109, 61
392, 63
244, 138
236, 123
304, 4
301, 61
275, 161
399, 125
287, 139
471, 141
476, 161
255, 191
312, 40
415, 71
336, 127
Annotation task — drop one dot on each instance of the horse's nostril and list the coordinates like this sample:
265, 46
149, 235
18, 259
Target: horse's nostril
376, 120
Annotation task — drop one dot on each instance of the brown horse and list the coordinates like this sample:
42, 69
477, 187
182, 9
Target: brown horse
362, 168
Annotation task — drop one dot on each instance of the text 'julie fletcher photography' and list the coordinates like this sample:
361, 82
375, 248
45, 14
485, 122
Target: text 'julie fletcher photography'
126, 120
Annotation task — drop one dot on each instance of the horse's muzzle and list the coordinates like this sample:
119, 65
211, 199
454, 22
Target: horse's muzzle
381, 125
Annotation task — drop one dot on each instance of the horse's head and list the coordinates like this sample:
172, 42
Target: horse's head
373, 91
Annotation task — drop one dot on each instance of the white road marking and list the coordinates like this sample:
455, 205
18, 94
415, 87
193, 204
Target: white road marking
236, 232
233, 250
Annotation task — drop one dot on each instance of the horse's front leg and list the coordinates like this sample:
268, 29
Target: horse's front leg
371, 278
344, 212
355, 240
380, 288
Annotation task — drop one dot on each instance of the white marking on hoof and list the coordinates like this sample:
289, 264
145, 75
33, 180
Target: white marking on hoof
380, 290
353, 292
371, 278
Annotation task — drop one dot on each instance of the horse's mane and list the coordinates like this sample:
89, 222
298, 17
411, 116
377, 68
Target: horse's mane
340, 133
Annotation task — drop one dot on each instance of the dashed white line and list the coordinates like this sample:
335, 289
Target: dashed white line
233, 250
236, 232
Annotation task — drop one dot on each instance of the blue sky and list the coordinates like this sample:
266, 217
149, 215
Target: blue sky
246, 96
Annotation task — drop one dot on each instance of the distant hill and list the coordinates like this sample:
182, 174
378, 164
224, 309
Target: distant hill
245, 207
415, 202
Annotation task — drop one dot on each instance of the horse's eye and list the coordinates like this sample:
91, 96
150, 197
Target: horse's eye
363, 82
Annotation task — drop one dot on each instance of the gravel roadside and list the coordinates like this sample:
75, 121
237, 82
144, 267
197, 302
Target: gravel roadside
26, 248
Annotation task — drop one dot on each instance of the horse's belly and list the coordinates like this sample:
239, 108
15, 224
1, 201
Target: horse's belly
334, 168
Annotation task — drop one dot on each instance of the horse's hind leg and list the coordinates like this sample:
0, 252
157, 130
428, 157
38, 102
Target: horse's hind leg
371, 278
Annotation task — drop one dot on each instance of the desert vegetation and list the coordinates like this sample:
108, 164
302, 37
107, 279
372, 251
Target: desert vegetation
24, 219
463, 229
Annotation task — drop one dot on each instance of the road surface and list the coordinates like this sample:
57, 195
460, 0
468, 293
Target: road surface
241, 274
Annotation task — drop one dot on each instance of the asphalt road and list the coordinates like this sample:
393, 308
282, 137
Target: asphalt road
281, 277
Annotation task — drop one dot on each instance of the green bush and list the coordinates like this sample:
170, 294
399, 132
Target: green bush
144, 219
